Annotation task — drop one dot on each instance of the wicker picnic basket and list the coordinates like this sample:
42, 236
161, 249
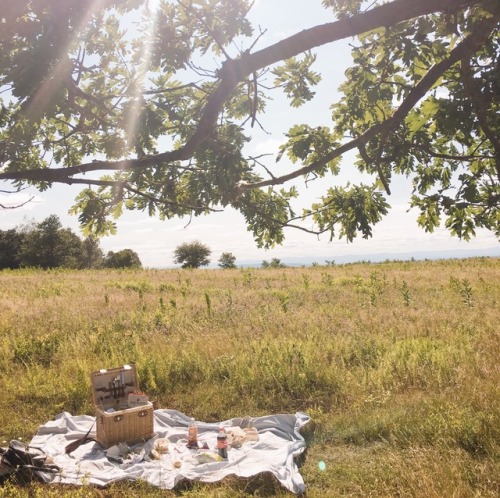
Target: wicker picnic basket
116, 422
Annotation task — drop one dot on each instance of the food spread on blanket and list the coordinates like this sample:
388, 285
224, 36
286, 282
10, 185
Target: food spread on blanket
164, 460
227, 437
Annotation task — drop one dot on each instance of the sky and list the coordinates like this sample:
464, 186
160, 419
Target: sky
396, 237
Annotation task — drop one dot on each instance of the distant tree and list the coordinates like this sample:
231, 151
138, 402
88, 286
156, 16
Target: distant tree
48, 245
10, 243
125, 258
70, 249
227, 261
192, 254
92, 255
274, 263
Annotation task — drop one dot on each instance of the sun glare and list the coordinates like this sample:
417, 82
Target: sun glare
134, 112
152, 5
47, 89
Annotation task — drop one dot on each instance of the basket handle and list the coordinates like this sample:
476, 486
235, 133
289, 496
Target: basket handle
118, 418
144, 413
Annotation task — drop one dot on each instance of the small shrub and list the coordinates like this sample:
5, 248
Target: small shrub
405, 291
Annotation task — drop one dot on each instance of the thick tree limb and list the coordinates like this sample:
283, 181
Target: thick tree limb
233, 71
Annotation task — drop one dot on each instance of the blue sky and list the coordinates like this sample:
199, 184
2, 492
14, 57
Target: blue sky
155, 241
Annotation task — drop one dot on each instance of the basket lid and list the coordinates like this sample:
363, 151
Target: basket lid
111, 387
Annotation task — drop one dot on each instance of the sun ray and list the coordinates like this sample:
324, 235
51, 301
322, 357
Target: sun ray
62, 70
140, 80
59, 76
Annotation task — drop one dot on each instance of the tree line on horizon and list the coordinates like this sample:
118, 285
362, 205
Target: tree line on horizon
48, 244
195, 254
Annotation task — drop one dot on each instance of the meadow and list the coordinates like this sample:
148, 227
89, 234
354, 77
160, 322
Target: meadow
397, 364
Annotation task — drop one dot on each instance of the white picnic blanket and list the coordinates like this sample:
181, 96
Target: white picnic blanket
279, 444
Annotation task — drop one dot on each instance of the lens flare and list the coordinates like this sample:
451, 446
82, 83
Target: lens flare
140, 75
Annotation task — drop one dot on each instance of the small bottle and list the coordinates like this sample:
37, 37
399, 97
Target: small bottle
192, 436
222, 443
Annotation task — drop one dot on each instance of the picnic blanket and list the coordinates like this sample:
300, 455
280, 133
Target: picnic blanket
278, 445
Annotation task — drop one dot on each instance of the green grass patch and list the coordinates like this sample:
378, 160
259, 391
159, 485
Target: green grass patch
396, 363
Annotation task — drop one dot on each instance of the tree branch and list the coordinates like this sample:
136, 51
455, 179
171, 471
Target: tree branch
3, 206
235, 70
468, 46
127, 187
479, 102
450, 157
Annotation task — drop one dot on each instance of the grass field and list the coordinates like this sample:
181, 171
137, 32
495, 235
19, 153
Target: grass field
397, 363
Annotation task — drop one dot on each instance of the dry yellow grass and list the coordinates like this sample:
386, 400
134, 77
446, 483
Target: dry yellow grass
397, 363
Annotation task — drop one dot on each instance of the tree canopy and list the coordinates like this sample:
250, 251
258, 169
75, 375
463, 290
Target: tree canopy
126, 258
227, 261
274, 263
47, 245
158, 118
192, 254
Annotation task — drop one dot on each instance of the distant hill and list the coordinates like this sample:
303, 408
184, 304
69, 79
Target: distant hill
379, 257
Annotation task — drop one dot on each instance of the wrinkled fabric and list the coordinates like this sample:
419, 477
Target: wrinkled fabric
279, 443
